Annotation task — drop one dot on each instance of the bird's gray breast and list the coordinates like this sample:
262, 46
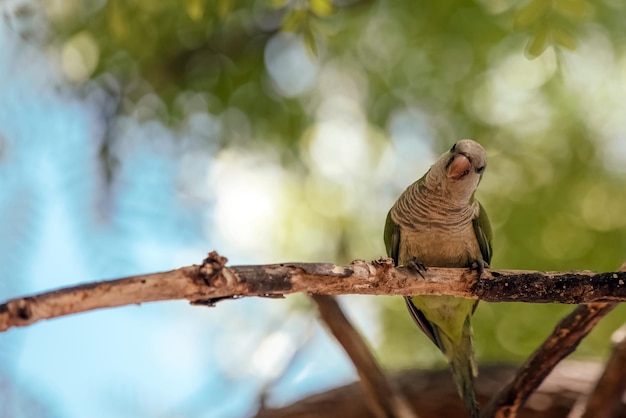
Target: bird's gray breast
434, 235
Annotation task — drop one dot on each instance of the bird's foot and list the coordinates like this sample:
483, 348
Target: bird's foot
479, 266
416, 267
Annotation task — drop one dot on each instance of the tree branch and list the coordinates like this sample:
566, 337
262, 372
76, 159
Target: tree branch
434, 395
562, 342
564, 339
606, 398
212, 281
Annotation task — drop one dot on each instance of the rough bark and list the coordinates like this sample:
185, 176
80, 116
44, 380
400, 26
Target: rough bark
212, 281
566, 336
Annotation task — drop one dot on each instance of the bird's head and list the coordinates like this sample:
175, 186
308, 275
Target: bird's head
460, 169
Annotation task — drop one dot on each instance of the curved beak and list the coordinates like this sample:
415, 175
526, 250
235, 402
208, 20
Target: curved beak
459, 167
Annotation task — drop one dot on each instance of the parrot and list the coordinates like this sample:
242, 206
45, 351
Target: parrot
437, 222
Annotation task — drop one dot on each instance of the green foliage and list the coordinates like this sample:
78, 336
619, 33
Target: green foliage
548, 23
388, 83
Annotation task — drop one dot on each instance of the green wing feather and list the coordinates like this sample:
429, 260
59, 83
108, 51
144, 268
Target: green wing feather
392, 244
392, 232
482, 229
392, 238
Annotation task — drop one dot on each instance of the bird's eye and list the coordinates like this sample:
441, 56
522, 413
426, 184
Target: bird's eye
480, 170
453, 148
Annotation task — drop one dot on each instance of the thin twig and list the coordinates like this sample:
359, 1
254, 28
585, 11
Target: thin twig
212, 282
383, 401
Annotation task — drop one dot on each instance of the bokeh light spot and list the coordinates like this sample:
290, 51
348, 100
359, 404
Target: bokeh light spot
289, 65
80, 56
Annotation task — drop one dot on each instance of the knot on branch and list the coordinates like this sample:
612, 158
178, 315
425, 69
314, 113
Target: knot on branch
211, 270
385, 263
382, 268
20, 309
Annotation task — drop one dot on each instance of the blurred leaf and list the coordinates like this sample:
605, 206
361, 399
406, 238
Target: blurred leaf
563, 38
195, 9
321, 7
310, 42
118, 25
295, 20
224, 7
277, 4
578, 9
538, 43
529, 14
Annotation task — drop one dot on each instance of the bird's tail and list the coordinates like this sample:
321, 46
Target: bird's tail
463, 365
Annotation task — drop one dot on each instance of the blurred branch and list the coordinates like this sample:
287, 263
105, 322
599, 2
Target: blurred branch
564, 339
211, 282
382, 399
433, 394
606, 398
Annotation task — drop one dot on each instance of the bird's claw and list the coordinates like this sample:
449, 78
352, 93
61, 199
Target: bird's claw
416, 267
479, 266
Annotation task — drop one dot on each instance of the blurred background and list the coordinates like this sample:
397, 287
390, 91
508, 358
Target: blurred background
135, 136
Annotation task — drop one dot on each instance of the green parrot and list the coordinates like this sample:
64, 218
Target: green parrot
437, 222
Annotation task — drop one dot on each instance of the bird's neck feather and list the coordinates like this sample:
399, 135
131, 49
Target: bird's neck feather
437, 187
